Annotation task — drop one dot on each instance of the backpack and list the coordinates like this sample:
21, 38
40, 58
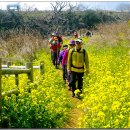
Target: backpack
55, 46
59, 39
71, 58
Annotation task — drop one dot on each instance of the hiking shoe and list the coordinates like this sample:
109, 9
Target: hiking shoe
78, 95
69, 88
57, 67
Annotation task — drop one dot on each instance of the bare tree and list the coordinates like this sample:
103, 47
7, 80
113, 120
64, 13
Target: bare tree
57, 17
58, 6
72, 7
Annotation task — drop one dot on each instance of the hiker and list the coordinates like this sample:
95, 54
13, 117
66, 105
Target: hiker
75, 34
78, 63
65, 60
65, 46
55, 49
60, 57
59, 43
50, 43
60, 39
89, 34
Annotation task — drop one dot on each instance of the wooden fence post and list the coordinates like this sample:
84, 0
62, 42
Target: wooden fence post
42, 67
0, 89
29, 65
9, 64
16, 79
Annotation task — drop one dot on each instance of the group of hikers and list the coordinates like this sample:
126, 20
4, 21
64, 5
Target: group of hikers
73, 59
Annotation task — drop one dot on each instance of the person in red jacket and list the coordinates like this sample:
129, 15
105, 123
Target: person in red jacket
50, 43
60, 39
55, 49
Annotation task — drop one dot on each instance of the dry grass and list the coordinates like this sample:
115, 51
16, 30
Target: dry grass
22, 45
111, 34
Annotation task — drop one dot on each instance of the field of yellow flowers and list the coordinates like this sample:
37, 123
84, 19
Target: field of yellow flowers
106, 102
45, 105
106, 93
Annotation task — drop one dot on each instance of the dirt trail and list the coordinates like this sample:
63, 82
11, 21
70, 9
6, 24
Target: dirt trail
75, 112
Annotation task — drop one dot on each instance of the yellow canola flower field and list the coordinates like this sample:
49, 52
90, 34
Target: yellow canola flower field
106, 102
106, 93
41, 104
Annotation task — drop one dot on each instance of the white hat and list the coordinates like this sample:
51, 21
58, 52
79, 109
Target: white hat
79, 40
53, 34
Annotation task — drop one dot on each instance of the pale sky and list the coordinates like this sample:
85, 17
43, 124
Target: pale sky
45, 5
38, 5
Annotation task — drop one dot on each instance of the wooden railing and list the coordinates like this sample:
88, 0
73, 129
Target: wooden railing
28, 69
16, 70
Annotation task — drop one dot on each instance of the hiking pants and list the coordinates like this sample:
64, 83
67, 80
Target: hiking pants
76, 76
64, 72
68, 78
55, 57
51, 56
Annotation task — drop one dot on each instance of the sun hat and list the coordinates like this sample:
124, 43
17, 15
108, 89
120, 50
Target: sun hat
53, 34
72, 42
79, 40
75, 33
65, 46
57, 32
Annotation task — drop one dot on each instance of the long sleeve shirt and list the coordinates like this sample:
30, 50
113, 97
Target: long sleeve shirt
61, 56
65, 57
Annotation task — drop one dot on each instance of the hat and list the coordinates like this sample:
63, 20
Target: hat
72, 42
75, 33
65, 46
57, 33
79, 40
53, 34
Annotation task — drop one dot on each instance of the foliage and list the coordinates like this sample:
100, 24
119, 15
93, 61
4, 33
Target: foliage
46, 22
45, 105
106, 89
106, 94
110, 18
91, 19
72, 20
